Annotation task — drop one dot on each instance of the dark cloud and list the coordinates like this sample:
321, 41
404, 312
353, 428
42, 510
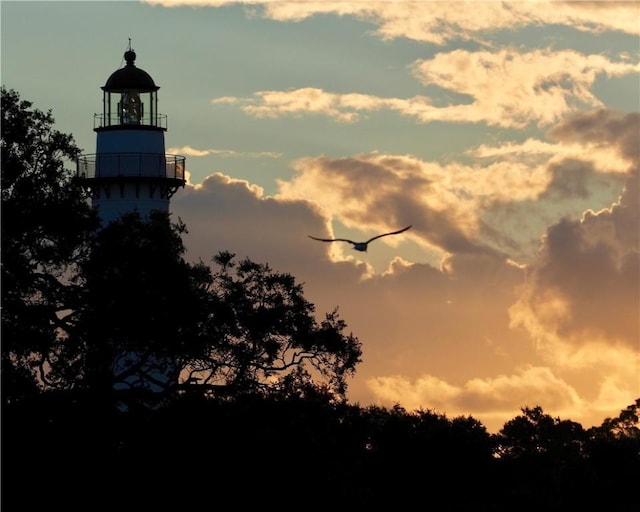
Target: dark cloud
570, 179
391, 191
593, 266
231, 215
602, 127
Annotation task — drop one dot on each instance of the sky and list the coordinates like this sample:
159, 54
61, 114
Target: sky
505, 133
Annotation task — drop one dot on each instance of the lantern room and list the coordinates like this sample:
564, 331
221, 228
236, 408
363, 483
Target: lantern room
130, 98
130, 170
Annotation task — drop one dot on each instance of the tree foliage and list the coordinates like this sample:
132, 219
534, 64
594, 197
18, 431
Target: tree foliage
243, 329
143, 305
262, 335
298, 450
46, 228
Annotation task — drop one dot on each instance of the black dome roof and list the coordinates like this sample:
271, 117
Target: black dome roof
130, 77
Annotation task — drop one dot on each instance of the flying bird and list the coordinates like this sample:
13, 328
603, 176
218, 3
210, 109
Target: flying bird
360, 246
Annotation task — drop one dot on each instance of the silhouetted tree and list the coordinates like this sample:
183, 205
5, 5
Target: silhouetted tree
143, 307
613, 452
150, 319
535, 433
543, 462
46, 229
262, 337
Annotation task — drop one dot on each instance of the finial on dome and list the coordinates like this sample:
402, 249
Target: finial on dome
130, 55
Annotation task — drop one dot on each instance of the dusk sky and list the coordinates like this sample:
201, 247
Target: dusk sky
506, 133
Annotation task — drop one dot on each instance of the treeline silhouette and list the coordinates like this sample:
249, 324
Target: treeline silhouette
134, 380
60, 449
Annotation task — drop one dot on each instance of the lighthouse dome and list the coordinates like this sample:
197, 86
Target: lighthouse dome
130, 77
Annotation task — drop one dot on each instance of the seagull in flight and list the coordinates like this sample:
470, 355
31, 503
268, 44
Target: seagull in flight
360, 246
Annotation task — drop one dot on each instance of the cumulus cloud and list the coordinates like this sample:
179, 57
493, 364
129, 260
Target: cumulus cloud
407, 191
518, 284
581, 296
583, 286
436, 324
457, 208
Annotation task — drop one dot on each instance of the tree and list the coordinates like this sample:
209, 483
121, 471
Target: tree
150, 320
613, 451
262, 336
46, 230
143, 306
536, 433
543, 462
626, 425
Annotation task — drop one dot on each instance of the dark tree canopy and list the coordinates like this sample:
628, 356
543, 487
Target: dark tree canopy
262, 335
141, 300
46, 227
244, 329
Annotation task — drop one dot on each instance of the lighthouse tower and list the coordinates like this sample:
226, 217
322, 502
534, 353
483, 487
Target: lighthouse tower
130, 170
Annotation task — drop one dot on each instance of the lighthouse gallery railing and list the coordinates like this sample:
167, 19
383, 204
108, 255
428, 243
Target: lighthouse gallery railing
130, 165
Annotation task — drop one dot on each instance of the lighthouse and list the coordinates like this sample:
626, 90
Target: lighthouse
131, 173
130, 170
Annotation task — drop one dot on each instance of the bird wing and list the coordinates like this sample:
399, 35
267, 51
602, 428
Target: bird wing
332, 239
386, 234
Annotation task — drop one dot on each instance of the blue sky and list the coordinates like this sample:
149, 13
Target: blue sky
505, 133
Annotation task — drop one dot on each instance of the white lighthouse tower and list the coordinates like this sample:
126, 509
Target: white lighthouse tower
130, 170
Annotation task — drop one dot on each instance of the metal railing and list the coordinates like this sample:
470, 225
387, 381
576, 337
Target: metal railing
102, 121
131, 165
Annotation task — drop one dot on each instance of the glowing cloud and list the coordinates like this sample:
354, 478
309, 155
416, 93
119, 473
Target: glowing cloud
506, 88
438, 22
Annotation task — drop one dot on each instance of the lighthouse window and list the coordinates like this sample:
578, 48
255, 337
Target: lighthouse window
130, 108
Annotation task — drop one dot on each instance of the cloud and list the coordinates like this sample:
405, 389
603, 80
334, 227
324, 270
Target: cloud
580, 300
407, 191
439, 22
518, 284
560, 330
436, 325
501, 207
223, 213
309, 100
606, 158
512, 89
506, 88
497, 399
189, 151
601, 129
506, 393
584, 285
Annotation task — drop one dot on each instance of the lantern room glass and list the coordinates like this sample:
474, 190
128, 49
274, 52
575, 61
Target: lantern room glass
130, 107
